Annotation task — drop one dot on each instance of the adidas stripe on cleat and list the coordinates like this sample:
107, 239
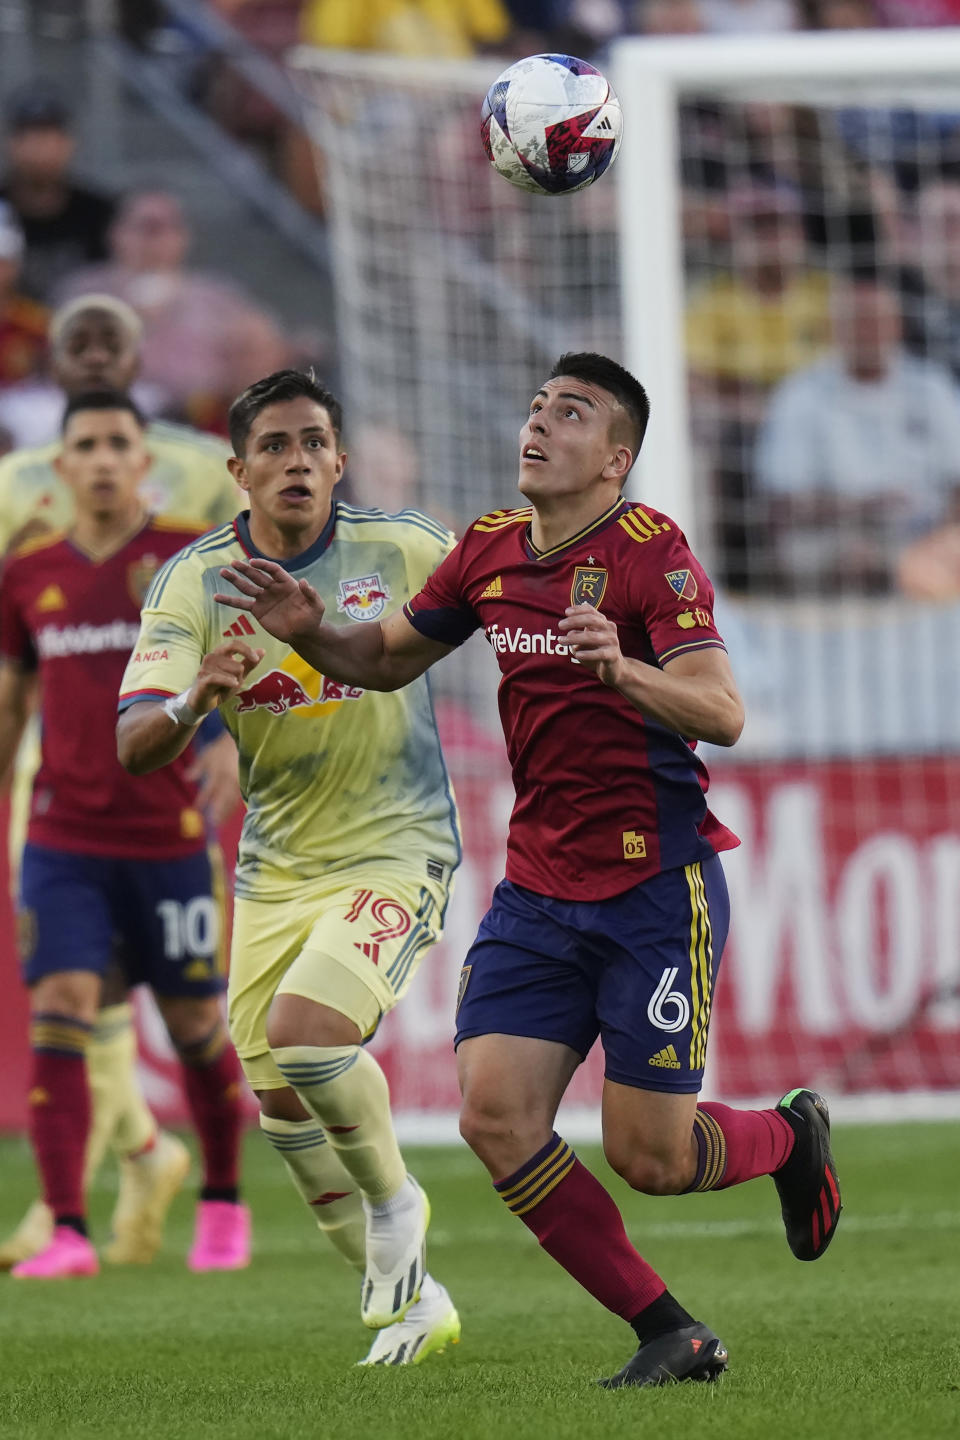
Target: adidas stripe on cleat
428, 1327
395, 1265
691, 1353
807, 1184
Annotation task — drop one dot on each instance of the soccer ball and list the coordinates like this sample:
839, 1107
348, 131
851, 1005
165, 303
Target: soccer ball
551, 124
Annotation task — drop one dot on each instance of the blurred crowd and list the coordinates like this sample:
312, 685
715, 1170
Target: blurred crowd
822, 262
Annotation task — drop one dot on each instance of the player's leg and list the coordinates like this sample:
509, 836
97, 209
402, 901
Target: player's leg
65, 937
357, 962
153, 1164
267, 939
175, 922
656, 1134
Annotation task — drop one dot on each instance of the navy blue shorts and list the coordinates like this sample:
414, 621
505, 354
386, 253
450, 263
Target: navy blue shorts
157, 918
637, 970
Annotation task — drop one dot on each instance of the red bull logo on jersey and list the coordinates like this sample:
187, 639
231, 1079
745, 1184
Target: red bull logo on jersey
362, 599
279, 692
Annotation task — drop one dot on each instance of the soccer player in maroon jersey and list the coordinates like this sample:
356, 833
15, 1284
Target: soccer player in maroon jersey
111, 860
613, 915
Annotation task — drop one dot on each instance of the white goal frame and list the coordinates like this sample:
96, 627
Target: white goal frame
651, 78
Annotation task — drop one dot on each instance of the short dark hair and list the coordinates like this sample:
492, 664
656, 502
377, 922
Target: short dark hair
102, 400
600, 370
274, 390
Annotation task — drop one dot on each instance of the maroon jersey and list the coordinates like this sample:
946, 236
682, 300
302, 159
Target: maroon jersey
76, 620
605, 798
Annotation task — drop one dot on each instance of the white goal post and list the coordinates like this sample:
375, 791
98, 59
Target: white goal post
652, 78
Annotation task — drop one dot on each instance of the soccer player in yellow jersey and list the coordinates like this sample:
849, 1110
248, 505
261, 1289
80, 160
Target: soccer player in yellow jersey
94, 347
349, 843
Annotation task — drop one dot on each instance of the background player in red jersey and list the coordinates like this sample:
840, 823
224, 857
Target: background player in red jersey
613, 914
110, 860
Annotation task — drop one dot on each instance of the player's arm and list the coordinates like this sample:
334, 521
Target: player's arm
383, 656
694, 694
15, 690
151, 733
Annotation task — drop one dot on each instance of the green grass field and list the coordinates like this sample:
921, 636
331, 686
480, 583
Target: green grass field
862, 1345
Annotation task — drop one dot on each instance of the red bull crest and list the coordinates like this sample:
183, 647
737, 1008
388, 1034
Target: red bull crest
276, 691
364, 598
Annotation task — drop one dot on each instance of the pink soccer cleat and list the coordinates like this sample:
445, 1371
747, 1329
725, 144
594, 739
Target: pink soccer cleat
67, 1255
221, 1239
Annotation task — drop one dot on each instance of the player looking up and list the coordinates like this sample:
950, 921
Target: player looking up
109, 858
613, 914
349, 843
95, 346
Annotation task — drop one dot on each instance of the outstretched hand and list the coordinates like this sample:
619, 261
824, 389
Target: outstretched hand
285, 607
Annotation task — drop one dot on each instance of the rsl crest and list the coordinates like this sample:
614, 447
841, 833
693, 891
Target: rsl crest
589, 584
364, 598
140, 577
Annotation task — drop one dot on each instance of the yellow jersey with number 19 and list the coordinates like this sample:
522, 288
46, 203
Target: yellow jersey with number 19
331, 774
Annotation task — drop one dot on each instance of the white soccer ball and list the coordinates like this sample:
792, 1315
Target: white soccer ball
551, 124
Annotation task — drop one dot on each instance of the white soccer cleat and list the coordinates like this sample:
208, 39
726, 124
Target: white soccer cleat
429, 1326
33, 1234
396, 1256
148, 1185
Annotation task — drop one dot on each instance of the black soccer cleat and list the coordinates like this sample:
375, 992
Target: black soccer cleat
807, 1184
692, 1353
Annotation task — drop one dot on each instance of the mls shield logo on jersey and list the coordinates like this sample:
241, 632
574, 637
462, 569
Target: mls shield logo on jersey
683, 584
363, 598
589, 584
140, 576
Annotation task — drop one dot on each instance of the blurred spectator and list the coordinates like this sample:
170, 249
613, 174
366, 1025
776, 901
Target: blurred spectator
746, 328
769, 313
668, 17
859, 453
839, 15
204, 339
23, 323
931, 286
748, 17
93, 347
383, 472
64, 224
442, 28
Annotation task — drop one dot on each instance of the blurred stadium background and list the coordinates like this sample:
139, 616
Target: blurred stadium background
777, 256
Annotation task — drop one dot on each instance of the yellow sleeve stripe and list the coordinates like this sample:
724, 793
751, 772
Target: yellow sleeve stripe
500, 519
639, 526
39, 542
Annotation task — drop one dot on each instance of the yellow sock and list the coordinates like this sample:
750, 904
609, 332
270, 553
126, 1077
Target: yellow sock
120, 1114
318, 1175
344, 1088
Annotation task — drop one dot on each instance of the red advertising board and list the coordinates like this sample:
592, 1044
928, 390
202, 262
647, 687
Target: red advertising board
842, 968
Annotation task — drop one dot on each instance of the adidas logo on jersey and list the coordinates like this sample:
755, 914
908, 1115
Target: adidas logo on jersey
494, 590
52, 598
239, 627
665, 1059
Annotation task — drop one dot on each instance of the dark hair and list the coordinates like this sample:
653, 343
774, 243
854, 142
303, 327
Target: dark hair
599, 370
102, 400
274, 390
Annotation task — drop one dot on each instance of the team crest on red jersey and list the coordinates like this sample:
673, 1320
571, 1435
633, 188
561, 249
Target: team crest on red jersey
683, 584
363, 598
140, 575
589, 584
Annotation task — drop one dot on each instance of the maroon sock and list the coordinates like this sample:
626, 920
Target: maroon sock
60, 1109
578, 1223
212, 1080
738, 1145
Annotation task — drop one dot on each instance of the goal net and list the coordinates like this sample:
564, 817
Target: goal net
779, 261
